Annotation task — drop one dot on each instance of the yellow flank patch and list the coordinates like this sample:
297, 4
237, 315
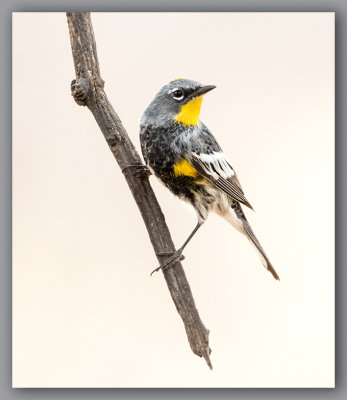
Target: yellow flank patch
183, 167
189, 113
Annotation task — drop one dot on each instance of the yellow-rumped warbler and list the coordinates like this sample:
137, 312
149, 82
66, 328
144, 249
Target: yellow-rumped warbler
180, 150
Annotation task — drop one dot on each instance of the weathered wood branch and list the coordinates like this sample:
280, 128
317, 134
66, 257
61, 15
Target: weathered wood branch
88, 90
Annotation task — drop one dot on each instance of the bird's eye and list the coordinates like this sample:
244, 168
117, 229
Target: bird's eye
178, 94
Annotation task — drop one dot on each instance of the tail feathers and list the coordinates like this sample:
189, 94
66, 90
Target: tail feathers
264, 259
238, 219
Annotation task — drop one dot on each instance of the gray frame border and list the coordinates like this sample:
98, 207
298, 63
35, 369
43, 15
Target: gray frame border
7, 7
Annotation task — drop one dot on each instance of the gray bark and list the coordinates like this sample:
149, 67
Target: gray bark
88, 90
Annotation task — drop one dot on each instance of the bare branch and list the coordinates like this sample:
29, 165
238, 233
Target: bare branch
88, 90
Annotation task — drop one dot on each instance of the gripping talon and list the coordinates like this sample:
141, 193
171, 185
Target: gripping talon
168, 263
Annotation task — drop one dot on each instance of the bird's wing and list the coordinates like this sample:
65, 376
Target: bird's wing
215, 166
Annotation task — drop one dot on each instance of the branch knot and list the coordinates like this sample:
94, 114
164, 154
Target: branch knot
80, 90
100, 83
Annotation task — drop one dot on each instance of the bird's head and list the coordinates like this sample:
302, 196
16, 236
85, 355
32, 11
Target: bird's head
179, 100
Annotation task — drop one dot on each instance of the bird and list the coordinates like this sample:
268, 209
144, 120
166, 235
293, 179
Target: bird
183, 154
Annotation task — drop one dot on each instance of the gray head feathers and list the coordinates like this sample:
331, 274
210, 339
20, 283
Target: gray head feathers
168, 101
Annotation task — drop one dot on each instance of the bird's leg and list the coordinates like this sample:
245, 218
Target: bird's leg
178, 253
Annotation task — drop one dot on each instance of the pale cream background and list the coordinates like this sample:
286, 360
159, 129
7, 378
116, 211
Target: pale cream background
85, 311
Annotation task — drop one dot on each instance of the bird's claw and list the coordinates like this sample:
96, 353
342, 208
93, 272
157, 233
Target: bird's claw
143, 171
139, 170
177, 256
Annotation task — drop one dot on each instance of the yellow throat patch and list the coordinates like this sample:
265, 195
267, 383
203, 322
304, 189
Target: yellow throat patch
189, 113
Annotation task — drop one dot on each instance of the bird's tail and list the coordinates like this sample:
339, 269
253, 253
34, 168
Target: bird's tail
237, 218
264, 259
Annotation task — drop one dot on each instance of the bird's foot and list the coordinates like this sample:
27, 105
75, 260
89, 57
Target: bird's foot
139, 170
143, 171
177, 256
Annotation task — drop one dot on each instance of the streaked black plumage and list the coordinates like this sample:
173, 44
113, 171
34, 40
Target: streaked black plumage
207, 180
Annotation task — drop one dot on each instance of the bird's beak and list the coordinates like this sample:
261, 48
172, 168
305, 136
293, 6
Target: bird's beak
202, 90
